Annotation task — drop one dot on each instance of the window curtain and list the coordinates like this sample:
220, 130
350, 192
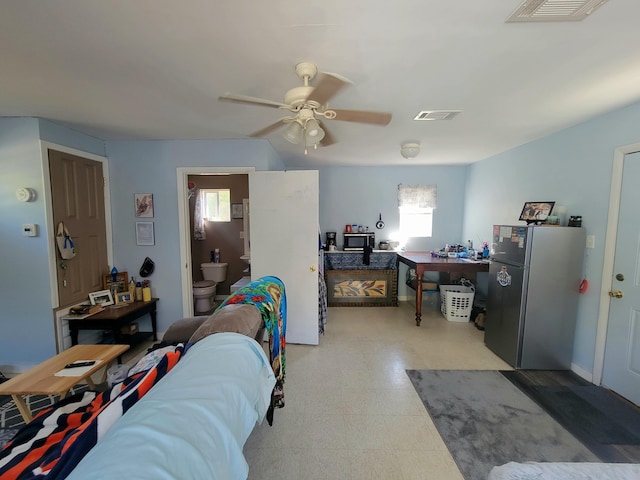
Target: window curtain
417, 196
198, 217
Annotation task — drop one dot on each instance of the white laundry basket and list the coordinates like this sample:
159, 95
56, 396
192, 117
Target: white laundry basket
456, 302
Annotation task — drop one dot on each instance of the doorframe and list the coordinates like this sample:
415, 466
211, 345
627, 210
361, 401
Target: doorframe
182, 177
609, 256
48, 209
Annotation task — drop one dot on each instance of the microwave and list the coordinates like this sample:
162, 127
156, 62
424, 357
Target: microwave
357, 241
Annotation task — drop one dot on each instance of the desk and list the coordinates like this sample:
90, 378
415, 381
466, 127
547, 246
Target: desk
424, 262
113, 318
41, 379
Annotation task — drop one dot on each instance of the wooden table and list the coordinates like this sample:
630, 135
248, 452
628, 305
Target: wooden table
113, 318
41, 379
424, 262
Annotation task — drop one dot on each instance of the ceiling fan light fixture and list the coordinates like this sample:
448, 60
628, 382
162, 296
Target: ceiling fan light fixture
313, 133
410, 149
293, 133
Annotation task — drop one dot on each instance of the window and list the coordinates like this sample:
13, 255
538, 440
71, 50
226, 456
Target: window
217, 204
416, 205
415, 222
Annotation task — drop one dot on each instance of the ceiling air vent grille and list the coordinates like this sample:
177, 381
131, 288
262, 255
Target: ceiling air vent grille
554, 10
436, 115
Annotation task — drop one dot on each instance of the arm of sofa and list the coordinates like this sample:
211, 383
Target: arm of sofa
194, 423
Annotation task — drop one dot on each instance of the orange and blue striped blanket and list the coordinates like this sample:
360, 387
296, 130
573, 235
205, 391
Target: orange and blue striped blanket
54, 442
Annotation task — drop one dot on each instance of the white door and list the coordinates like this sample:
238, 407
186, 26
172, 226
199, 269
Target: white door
284, 243
621, 371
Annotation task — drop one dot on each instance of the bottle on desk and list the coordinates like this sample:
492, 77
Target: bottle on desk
138, 292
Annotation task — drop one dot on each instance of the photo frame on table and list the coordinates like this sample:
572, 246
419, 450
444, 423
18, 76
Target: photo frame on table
236, 210
144, 205
118, 284
145, 234
536, 212
104, 298
123, 298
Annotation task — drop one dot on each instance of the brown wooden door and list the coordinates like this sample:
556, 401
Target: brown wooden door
77, 192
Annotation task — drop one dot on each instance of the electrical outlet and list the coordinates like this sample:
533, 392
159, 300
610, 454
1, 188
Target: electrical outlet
591, 241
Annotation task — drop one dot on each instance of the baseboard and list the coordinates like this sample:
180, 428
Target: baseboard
582, 373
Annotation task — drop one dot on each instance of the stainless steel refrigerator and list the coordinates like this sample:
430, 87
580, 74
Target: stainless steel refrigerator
534, 282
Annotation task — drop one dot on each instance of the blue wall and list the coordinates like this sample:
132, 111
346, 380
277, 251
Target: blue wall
151, 167
27, 335
572, 167
359, 195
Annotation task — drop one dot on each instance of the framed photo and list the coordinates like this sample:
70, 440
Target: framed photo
102, 298
236, 210
144, 204
144, 233
536, 212
123, 298
119, 284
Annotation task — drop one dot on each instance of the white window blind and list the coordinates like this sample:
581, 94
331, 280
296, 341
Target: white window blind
416, 205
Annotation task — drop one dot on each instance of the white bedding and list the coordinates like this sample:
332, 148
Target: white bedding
565, 471
194, 422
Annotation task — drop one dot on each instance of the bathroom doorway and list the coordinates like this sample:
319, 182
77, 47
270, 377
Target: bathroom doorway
227, 238
224, 235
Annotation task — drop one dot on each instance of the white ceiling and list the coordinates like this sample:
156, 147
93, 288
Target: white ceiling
153, 69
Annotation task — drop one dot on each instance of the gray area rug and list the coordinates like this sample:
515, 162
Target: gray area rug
486, 421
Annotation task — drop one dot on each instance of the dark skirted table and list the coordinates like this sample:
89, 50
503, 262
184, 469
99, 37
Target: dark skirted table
113, 318
424, 262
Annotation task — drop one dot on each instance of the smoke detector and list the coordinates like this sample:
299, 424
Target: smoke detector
410, 149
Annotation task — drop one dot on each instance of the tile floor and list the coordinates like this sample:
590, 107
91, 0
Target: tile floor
351, 411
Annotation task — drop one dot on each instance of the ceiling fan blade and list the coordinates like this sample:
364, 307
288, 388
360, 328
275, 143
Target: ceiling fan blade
362, 116
268, 129
230, 97
328, 139
328, 86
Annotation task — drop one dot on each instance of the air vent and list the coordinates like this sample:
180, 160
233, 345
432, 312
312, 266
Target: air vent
554, 10
436, 115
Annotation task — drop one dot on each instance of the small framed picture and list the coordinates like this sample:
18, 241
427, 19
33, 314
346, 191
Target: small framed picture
536, 212
144, 205
144, 233
236, 210
123, 298
102, 298
118, 284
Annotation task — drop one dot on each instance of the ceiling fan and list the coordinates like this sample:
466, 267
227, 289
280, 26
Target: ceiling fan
308, 105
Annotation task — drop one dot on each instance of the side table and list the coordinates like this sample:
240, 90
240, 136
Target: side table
113, 318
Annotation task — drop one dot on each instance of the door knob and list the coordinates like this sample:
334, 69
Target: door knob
616, 293
312, 268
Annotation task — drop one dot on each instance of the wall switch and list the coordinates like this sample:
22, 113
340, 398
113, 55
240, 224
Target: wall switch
591, 241
30, 230
241, 234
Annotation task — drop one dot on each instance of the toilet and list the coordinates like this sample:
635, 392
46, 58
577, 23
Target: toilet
204, 292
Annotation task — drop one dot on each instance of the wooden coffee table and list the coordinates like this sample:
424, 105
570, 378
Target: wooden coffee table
41, 379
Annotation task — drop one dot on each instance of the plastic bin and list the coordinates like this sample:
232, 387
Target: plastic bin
456, 302
116, 374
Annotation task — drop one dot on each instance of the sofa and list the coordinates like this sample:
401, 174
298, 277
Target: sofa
185, 411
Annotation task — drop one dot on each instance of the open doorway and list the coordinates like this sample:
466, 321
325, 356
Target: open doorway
220, 238
231, 249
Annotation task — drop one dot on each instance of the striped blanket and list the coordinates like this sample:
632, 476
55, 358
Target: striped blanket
54, 442
268, 295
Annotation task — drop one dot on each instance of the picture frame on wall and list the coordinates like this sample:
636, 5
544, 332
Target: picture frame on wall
145, 234
236, 210
144, 205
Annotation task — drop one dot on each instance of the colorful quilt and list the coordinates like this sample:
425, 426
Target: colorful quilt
268, 295
54, 442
